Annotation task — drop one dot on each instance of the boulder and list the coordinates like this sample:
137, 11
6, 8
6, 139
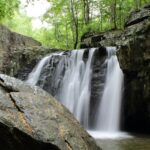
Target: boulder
30, 119
108, 38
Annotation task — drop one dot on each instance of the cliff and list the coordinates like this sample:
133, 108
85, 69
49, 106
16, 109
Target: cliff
133, 45
19, 53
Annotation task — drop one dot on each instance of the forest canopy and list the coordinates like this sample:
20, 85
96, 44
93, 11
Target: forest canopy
7, 8
68, 20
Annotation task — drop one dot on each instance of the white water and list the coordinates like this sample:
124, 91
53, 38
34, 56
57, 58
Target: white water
110, 105
108, 116
109, 135
75, 89
35, 74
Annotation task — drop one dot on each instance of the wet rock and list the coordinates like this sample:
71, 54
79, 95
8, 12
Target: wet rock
134, 58
32, 119
133, 44
24, 59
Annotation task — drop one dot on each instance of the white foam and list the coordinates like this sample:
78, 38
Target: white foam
109, 135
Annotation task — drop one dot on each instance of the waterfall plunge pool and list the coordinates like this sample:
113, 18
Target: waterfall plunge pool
133, 143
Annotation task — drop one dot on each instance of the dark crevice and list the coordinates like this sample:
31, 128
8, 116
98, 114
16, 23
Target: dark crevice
2, 80
14, 102
7, 88
68, 145
136, 21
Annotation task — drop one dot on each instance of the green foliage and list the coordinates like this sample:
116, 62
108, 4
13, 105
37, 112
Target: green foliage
7, 8
70, 19
103, 15
20, 23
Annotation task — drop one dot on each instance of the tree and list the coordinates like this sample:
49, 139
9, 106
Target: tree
113, 14
75, 26
86, 11
7, 8
70, 19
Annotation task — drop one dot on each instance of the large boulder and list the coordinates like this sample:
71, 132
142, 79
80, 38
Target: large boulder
32, 119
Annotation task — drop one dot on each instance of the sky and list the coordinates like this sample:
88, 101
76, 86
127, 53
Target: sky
35, 11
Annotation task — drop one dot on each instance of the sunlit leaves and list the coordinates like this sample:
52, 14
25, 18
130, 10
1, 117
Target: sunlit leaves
7, 8
96, 15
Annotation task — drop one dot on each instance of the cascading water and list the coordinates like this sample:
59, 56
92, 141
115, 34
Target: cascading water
35, 74
71, 74
108, 118
75, 89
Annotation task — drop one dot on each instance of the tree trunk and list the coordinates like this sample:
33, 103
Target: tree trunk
86, 11
75, 22
113, 15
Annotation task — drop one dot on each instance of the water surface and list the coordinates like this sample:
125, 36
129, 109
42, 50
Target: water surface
134, 143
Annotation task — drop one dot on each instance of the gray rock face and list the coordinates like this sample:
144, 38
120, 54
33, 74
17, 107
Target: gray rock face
134, 56
23, 60
138, 16
108, 38
19, 53
32, 119
9, 40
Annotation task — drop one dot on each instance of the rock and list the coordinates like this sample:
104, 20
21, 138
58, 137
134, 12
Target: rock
133, 44
134, 58
137, 17
108, 38
23, 60
8, 40
19, 53
32, 119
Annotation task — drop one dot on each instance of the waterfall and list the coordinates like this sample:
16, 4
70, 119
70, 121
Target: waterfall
75, 90
108, 116
35, 74
68, 77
